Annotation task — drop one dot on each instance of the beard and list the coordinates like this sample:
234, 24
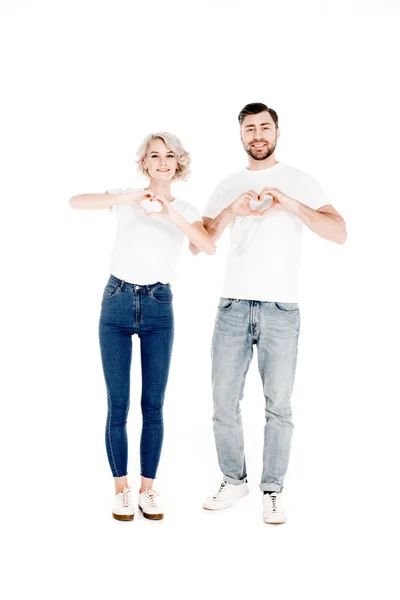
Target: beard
260, 154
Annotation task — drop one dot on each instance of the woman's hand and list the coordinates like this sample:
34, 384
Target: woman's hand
135, 199
168, 212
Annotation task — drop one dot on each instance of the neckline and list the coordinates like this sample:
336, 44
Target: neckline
170, 201
247, 170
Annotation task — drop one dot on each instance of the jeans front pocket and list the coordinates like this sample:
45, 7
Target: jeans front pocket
286, 307
111, 290
226, 303
162, 294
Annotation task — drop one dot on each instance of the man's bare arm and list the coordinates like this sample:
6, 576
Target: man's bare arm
239, 208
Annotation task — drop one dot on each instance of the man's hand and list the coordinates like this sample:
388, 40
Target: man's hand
280, 201
240, 207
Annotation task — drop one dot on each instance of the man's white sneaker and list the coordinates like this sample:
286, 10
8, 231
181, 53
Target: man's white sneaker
273, 511
226, 496
123, 509
150, 505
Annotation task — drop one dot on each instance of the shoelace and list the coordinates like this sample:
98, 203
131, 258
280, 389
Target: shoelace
125, 497
150, 495
221, 490
273, 500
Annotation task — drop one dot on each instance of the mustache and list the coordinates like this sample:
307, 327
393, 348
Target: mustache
258, 142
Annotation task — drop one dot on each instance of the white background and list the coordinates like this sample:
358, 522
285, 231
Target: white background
83, 82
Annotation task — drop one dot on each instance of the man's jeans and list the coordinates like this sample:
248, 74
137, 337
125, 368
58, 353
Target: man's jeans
145, 310
274, 328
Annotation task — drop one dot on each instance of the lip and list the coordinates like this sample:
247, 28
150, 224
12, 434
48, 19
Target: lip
163, 170
258, 146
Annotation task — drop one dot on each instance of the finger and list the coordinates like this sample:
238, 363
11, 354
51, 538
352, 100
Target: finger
253, 194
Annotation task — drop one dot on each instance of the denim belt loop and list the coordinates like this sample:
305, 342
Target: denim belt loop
121, 285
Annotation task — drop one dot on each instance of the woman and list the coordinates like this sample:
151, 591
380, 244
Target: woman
137, 299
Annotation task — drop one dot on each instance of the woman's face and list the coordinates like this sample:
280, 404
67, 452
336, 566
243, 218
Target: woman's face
160, 162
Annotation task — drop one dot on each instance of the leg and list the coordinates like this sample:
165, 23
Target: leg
156, 339
231, 356
116, 355
277, 357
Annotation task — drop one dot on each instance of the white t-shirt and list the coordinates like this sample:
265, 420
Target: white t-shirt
146, 249
264, 256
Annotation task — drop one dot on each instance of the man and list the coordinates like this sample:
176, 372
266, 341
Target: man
266, 205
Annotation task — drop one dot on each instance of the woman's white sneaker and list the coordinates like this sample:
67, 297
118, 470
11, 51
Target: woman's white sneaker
273, 511
150, 506
226, 496
123, 509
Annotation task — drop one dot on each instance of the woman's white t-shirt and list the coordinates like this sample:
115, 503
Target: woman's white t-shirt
146, 249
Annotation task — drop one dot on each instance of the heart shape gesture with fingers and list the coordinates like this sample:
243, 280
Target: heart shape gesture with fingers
162, 208
277, 200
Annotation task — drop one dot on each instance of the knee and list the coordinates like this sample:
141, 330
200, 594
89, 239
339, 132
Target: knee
281, 415
152, 414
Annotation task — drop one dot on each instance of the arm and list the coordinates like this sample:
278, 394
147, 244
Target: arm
240, 207
106, 200
215, 227
197, 234
95, 201
325, 221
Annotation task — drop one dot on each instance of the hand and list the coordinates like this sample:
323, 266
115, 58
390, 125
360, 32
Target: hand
168, 212
134, 199
280, 201
240, 207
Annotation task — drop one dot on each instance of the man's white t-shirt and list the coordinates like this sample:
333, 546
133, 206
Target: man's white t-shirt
264, 257
146, 249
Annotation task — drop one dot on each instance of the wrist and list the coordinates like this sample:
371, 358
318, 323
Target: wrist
230, 211
294, 206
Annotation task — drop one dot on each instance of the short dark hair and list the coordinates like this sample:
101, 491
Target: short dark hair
254, 109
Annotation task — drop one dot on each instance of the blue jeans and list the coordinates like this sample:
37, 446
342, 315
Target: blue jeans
147, 311
274, 328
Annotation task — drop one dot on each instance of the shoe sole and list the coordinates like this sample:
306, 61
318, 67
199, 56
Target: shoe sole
150, 516
123, 517
229, 505
275, 522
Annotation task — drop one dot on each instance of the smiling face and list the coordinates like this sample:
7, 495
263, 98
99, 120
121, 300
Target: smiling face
259, 135
160, 162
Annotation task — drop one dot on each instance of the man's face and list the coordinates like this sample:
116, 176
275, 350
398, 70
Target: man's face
259, 135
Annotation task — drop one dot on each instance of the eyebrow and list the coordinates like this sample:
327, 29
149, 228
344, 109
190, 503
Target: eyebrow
252, 125
156, 152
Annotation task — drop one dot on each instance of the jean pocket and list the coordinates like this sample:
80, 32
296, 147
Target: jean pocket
226, 303
111, 290
286, 307
162, 294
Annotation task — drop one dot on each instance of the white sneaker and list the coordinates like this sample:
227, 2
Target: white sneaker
273, 511
150, 505
123, 509
226, 496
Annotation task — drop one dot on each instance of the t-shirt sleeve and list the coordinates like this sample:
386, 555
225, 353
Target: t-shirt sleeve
313, 195
192, 214
215, 203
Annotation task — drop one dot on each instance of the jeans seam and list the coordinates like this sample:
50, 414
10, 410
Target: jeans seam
109, 433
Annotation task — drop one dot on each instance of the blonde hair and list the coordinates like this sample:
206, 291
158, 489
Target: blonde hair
173, 144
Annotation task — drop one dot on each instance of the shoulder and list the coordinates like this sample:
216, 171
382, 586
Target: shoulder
226, 184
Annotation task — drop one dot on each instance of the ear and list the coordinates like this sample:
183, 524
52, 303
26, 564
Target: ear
144, 164
278, 133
